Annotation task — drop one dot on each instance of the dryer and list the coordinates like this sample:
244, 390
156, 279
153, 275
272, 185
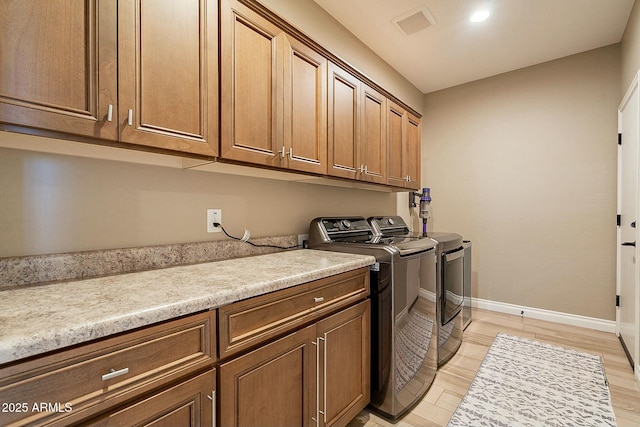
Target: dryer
449, 295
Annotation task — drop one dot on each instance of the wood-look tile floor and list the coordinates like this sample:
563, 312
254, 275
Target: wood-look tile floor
454, 378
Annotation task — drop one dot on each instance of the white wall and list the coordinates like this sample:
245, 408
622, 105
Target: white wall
52, 203
524, 165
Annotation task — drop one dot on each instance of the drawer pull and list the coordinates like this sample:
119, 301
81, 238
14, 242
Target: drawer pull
113, 373
318, 299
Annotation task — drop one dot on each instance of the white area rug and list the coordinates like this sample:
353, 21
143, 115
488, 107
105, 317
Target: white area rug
523, 382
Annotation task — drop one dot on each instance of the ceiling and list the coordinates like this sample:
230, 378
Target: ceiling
517, 34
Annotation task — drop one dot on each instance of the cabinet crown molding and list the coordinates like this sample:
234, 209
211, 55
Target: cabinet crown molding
270, 15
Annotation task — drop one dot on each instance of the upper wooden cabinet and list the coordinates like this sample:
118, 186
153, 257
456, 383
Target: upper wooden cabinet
250, 84
164, 74
373, 141
357, 140
396, 134
403, 133
113, 70
413, 159
305, 107
344, 123
273, 94
58, 66
168, 74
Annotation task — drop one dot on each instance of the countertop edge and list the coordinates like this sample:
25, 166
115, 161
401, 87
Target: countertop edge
15, 347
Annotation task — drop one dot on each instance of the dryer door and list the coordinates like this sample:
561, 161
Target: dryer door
452, 283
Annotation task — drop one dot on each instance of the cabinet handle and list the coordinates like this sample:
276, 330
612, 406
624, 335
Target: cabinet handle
408, 178
284, 154
130, 117
363, 168
212, 398
110, 113
318, 299
324, 372
317, 418
113, 373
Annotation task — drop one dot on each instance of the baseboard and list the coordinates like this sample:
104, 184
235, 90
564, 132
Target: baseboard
428, 295
552, 316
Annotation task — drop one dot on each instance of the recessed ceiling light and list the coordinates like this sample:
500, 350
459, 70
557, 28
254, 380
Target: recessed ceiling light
479, 16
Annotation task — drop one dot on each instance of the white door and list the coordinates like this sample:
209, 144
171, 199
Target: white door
628, 323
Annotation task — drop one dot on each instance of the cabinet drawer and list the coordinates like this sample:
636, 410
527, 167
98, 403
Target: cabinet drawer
252, 321
73, 384
188, 404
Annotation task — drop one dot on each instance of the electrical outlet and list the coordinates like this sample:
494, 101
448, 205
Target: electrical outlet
214, 216
301, 239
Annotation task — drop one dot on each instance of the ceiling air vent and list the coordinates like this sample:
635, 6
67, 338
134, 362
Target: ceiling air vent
415, 20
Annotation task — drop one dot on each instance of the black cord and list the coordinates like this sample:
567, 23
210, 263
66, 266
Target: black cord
215, 224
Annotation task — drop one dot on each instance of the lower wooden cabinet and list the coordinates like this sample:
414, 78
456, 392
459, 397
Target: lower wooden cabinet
83, 382
295, 357
271, 386
317, 375
187, 404
344, 349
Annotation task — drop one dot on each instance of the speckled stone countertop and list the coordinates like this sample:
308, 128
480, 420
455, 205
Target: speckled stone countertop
34, 320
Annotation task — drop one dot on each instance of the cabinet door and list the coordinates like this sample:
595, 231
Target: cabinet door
413, 151
343, 123
345, 364
271, 386
396, 137
58, 65
168, 74
373, 141
189, 404
251, 87
305, 106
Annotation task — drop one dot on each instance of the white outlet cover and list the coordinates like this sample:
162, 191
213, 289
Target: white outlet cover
214, 215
